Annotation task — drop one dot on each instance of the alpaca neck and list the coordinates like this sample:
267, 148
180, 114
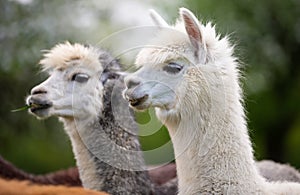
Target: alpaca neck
212, 147
108, 157
85, 163
209, 158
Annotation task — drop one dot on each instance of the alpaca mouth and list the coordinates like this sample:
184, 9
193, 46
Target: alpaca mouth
134, 102
37, 104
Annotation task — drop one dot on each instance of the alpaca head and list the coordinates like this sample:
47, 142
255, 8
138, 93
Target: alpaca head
73, 89
187, 60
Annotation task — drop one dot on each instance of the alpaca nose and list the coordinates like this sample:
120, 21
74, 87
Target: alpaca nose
131, 82
38, 90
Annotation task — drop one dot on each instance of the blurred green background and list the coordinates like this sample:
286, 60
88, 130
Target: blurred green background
267, 38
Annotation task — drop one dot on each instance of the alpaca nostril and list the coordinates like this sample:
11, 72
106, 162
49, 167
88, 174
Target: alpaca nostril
38, 91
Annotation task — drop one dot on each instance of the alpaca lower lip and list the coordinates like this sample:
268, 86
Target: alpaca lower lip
36, 107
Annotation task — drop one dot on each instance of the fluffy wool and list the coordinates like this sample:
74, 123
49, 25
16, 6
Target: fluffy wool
66, 55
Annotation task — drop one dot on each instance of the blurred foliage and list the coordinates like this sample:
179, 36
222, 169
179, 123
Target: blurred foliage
267, 38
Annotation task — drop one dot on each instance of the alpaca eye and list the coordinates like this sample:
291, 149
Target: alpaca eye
80, 77
173, 68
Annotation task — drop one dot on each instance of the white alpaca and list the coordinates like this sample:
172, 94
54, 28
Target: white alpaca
79, 92
192, 79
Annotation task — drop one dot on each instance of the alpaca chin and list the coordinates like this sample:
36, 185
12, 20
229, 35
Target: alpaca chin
39, 107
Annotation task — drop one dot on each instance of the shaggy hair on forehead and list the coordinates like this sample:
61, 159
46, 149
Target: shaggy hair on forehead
172, 42
64, 55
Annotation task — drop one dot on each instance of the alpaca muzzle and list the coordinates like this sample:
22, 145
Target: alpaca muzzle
135, 100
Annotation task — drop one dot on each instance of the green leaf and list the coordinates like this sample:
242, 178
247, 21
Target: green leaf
21, 109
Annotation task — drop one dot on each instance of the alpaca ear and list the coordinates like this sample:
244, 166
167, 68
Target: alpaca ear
157, 19
193, 29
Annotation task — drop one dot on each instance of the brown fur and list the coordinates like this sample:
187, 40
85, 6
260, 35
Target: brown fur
14, 187
70, 177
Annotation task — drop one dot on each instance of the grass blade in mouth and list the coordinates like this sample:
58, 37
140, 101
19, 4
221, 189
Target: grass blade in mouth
22, 108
